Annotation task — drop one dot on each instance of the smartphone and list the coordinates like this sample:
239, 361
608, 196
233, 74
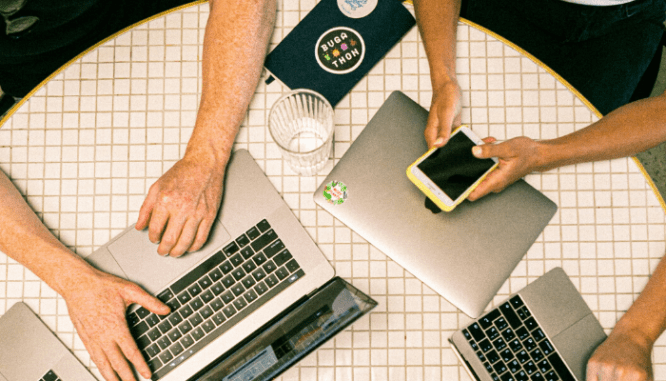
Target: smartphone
447, 175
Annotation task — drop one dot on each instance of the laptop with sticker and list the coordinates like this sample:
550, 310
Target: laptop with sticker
464, 255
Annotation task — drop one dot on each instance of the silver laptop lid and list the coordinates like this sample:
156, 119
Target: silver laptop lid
28, 349
465, 255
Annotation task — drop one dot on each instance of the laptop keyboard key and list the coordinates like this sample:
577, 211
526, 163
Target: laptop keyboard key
499, 344
227, 267
228, 297
501, 324
510, 315
507, 355
269, 267
271, 280
238, 274
522, 356
238, 289
184, 297
206, 312
259, 259
515, 345
219, 318
492, 333
187, 341
196, 304
531, 324
240, 303
153, 350
195, 319
259, 274
194, 289
508, 335
514, 366
152, 320
537, 355
253, 233
476, 332
530, 367
215, 275
488, 319
529, 344
522, 376
544, 366
546, 347
198, 333
207, 296
208, 326
242, 240
293, 265
229, 311
174, 335
186, 311
249, 266
260, 288
264, 240
248, 282
217, 304
282, 258
485, 345
551, 376
236, 260
143, 342
228, 281
282, 273
205, 282
250, 296
247, 253
185, 327
164, 343
522, 333
499, 367
538, 335
132, 319
492, 357
560, 368
142, 312
263, 225
230, 249
274, 248
217, 288
140, 329
175, 318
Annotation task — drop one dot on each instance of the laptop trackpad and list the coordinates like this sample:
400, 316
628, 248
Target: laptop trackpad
138, 258
577, 343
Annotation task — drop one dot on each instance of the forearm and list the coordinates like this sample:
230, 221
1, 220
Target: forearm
626, 131
438, 24
235, 44
646, 318
24, 238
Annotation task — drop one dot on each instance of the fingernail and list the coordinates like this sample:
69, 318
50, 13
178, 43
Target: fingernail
439, 141
476, 151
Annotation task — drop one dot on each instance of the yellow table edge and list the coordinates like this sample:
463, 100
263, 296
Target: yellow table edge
463, 20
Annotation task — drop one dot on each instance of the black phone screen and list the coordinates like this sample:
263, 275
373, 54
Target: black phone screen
453, 168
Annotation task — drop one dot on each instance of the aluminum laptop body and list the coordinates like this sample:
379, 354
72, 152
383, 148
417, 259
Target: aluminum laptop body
29, 351
250, 203
464, 255
546, 331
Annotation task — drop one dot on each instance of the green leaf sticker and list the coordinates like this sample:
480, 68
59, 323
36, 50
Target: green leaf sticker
335, 192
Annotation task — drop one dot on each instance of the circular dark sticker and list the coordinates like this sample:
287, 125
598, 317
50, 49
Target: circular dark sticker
340, 50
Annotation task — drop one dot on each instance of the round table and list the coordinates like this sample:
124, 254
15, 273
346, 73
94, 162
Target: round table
86, 145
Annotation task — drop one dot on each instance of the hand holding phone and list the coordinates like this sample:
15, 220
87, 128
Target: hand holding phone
447, 175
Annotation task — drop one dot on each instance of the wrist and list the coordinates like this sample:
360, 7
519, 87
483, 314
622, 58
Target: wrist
441, 75
638, 330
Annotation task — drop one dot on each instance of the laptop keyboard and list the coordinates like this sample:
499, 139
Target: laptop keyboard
213, 297
512, 346
50, 376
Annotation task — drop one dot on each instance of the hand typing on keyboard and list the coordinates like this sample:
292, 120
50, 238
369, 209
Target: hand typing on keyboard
97, 304
181, 206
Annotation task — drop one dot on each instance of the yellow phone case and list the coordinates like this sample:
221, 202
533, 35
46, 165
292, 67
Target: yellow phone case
424, 188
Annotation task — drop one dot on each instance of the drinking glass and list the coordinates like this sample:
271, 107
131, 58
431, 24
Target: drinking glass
301, 123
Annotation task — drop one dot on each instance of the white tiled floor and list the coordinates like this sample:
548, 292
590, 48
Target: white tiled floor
85, 148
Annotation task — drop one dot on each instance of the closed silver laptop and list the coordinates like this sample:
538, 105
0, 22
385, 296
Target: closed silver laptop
464, 255
546, 331
29, 351
258, 261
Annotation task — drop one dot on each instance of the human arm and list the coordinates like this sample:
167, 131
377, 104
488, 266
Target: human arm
438, 24
96, 302
625, 355
181, 206
630, 129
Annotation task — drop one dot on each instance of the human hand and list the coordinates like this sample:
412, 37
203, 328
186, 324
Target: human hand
97, 304
624, 356
444, 115
517, 157
181, 206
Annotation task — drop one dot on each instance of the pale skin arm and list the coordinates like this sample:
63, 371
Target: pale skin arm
181, 206
625, 355
438, 24
96, 302
630, 129
185, 198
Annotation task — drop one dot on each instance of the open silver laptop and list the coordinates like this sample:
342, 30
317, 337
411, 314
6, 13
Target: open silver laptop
258, 261
29, 351
544, 332
464, 255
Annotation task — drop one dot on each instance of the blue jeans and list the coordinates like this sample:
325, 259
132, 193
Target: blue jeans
601, 51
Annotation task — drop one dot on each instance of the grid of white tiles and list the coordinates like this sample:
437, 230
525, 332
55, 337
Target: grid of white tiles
85, 148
